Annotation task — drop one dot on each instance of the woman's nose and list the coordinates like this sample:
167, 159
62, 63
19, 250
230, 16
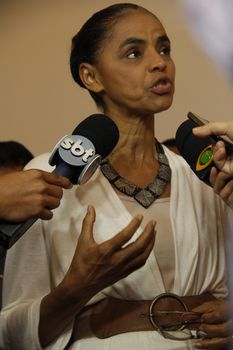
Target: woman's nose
157, 62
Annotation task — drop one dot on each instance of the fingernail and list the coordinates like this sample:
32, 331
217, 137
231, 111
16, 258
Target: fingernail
139, 217
89, 209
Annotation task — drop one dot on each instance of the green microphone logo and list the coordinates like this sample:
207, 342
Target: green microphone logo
205, 158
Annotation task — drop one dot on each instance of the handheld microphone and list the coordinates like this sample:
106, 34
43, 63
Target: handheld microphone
76, 157
198, 152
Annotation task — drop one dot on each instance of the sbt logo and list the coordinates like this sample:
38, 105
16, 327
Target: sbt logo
76, 150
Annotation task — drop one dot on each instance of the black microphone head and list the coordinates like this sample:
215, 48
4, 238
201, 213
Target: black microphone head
77, 156
195, 150
101, 131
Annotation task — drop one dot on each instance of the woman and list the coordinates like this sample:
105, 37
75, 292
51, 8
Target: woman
122, 56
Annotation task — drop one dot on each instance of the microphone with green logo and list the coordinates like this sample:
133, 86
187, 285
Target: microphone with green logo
198, 152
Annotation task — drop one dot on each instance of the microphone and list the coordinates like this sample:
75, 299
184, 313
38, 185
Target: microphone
198, 152
76, 157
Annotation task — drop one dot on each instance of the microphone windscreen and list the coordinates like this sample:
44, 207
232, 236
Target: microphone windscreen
195, 150
101, 131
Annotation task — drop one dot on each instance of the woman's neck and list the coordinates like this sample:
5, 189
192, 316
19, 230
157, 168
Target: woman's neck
134, 156
136, 140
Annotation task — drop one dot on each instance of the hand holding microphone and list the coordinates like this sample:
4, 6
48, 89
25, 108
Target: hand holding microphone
209, 155
75, 157
221, 175
220, 156
30, 193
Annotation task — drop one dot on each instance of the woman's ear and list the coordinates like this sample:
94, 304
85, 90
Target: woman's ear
89, 76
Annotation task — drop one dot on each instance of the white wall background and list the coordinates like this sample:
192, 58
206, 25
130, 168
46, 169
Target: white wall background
40, 103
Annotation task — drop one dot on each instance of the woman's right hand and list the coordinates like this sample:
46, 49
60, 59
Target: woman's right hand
97, 266
94, 267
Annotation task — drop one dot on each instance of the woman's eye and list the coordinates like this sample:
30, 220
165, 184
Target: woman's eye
165, 51
133, 54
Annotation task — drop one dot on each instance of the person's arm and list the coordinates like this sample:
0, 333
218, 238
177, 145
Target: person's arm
93, 268
30, 193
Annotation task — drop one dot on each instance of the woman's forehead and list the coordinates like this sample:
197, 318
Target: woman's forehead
136, 23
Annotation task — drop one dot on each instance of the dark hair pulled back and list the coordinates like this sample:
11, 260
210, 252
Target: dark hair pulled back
87, 42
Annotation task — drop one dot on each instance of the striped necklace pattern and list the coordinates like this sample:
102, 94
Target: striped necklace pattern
144, 196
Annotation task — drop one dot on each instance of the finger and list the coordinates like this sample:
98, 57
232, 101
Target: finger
217, 330
219, 154
227, 190
87, 225
222, 160
45, 214
213, 343
215, 312
213, 176
220, 182
146, 237
134, 256
136, 253
219, 150
208, 306
124, 235
136, 263
55, 191
49, 202
215, 128
56, 179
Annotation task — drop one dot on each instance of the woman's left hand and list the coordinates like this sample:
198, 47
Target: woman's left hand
217, 325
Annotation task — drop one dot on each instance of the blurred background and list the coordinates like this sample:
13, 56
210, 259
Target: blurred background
39, 101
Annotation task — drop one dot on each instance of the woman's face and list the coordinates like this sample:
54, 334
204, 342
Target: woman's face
134, 66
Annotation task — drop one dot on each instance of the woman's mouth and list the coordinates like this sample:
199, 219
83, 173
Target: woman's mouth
162, 86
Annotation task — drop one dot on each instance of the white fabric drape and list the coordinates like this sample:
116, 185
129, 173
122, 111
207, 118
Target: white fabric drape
40, 259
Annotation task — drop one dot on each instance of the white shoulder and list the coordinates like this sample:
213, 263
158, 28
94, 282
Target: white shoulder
40, 162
